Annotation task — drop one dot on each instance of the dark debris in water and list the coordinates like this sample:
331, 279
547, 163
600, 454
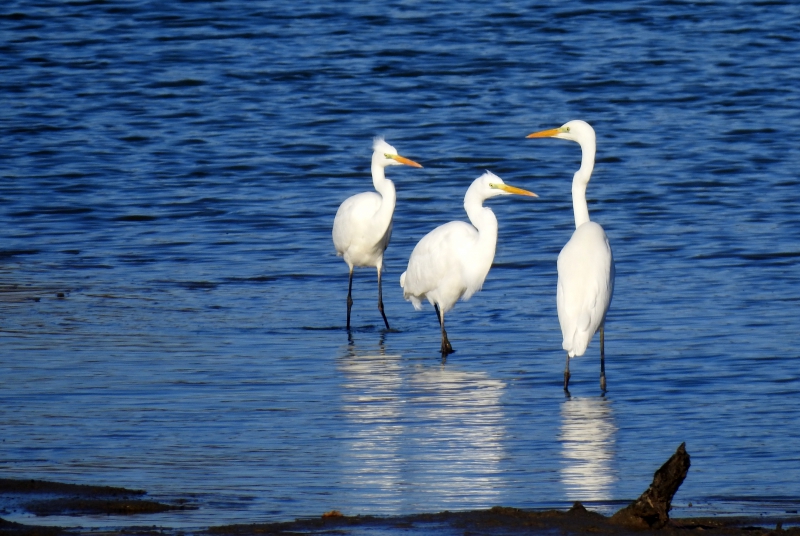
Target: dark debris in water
46, 498
11, 485
18, 529
8, 253
12, 293
82, 506
136, 217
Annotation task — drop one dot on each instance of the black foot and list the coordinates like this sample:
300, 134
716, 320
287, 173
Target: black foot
603, 384
566, 381
447, 349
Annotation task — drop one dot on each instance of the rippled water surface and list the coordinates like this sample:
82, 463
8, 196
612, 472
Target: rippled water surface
172, 311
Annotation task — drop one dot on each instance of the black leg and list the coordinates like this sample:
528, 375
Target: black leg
380, 299
349, 298
447, 349
566, 376
602, 359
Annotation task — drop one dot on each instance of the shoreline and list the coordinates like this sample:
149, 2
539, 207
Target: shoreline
498, 521
45, 498
649, 513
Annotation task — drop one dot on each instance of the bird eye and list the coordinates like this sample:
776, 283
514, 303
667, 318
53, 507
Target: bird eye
567, 129
387, 155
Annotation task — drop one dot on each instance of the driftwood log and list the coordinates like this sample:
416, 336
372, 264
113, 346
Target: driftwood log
651, 510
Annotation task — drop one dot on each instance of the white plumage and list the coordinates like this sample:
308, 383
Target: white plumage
452, 261
363, 224
585, 264
585, 286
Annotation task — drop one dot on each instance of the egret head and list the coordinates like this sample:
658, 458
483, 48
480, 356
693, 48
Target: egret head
386, 155
577, 130
492, 186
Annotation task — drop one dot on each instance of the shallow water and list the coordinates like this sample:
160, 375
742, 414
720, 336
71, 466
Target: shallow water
174, 171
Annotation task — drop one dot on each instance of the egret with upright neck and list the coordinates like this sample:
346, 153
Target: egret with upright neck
363, 224
453, 260
585, 264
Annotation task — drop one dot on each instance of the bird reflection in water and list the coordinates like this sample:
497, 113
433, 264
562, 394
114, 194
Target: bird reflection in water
373, 409
588, 436
419, 437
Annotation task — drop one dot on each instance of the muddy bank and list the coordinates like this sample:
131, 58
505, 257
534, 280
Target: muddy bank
504, 521
46, 498
649, 514
497, 521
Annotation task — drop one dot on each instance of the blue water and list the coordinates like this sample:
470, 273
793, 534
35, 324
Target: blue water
173, 169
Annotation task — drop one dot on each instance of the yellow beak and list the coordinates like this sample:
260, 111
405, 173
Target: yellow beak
513, 189
545, 133
403, 160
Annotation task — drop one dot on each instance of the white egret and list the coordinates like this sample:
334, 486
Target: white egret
585, 264
452, 261
363, 224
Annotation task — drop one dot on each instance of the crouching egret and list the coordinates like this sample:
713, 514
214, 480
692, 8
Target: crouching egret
452, 261
363, 224
585, 264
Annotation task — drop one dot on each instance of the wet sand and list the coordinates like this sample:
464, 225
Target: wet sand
44, 498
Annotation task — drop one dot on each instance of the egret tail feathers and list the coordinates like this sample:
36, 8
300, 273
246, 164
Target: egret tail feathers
576, 344
415, 301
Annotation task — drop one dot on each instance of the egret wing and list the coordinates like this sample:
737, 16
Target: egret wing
435, 269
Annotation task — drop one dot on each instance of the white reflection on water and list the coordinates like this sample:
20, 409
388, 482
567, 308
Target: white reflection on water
430, 430
371, 402
587, 447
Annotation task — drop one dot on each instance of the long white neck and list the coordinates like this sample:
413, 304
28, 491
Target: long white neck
485, 222
385, 187
579, 182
